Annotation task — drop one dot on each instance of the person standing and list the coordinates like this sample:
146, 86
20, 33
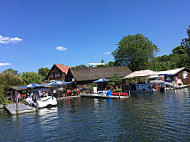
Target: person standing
18, 96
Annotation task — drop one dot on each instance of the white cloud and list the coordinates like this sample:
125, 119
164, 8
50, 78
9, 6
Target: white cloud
9, 39
60, 48
5, 64
106, 53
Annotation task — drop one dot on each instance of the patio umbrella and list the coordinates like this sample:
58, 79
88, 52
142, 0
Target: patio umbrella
101, 80
56, 83
32, 85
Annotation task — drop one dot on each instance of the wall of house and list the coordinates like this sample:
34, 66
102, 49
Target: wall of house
184, 78
56, 74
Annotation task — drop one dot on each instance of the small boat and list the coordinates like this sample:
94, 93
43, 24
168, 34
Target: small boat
121, 94
44, 97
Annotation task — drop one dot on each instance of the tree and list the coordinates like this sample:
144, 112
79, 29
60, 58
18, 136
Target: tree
31, 77
7, 80
15, 72
135, 51
82, 66
179, 50
111, 63
115, 80
43, 72
186, 43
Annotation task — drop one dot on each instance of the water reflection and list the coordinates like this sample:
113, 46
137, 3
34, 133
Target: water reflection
143, 117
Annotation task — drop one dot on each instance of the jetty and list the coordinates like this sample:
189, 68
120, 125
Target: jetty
22, 108
104, 96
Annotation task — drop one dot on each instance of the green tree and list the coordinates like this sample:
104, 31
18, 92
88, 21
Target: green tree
111, 63
43, 72
82, 66
31, 77
186, 43
115, 80
15, 72
7, 80
135, 51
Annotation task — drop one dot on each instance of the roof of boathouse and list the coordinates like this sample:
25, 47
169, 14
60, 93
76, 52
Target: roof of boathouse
94, 73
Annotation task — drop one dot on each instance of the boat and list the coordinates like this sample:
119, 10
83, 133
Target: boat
119, 94
44, 97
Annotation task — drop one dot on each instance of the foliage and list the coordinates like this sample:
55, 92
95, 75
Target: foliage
135, 51
43, 72
31, 77
9, 79
15, 72
128, 80
142, 79
115, 80
111, 63
82, 66
3, 100
90, 87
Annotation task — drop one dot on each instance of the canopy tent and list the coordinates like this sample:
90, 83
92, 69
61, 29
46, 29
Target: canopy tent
142, 73
56, 83
101, 80
32, 85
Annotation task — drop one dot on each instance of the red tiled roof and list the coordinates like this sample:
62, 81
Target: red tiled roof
63, 68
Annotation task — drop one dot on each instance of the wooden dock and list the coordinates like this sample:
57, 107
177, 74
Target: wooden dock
22, 108
104, 96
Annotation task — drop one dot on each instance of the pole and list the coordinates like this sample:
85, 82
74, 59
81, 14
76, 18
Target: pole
119, 94
129, 93
36, 102
17, 105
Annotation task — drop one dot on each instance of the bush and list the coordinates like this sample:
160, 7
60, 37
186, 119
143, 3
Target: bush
3, 100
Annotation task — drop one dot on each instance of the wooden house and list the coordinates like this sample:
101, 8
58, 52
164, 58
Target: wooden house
58, 72
85, 76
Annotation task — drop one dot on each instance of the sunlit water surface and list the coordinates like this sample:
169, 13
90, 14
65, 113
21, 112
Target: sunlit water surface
143, 117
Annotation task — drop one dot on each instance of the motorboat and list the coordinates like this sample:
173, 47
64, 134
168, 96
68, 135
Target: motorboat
44, 97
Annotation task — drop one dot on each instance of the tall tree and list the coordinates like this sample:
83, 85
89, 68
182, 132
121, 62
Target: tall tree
14, 72
31, 77
135, 51
186, 43
43, 72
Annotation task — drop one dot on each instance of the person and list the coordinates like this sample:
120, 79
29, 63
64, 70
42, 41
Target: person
68, 92
18, 96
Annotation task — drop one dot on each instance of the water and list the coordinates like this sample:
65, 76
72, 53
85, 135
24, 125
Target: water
143, 117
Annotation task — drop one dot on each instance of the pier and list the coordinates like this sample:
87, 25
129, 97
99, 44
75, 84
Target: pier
22, 108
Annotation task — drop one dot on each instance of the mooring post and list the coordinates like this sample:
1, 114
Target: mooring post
36, 102
17, 105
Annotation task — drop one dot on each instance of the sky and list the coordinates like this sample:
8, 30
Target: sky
40, 33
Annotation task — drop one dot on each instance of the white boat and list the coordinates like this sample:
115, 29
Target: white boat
44, 97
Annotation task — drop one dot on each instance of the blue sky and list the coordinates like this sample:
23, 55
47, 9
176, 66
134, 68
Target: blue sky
84, 31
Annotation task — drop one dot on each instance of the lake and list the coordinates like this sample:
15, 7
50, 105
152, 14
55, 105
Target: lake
143, 117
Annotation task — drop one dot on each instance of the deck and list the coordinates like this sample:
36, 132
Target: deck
11, 108
103, 96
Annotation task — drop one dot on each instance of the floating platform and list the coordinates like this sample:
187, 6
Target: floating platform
22, 108
104, 96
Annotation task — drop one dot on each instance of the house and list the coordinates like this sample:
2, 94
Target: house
58, 72
179, 73
86, 76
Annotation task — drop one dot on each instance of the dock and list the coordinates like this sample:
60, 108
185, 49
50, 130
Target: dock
104, 96
11, 108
